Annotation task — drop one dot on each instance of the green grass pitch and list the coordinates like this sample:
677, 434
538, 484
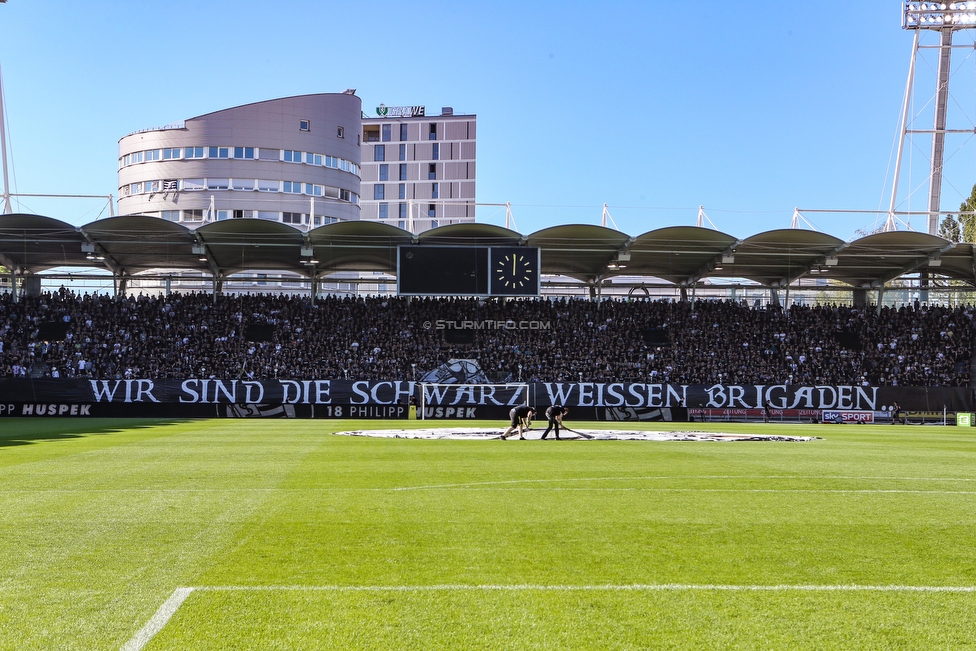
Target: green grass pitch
292, 538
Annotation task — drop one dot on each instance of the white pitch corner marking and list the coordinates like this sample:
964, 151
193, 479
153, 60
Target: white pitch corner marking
158, 621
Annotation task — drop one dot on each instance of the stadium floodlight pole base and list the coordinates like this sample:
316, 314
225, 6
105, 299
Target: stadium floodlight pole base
435, 389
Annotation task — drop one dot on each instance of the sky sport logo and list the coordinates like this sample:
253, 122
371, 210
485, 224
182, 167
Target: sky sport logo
441, 324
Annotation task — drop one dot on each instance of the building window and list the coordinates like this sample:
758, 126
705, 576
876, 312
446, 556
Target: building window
291, 156
218, 184
313, 159
151, 186
314, 190
265, 185
170, 215
223, 214
135, 188
303, 125
384, 210
431, 210
346, 195
433, 191
433, 131
403, 132
403, 171
403, 152
293, 218
387, 136
379, 191
193, 184
433, 223
403, 191
384, 172
243, 214
432, 172
170, 185
153, 154
171, 153
436, 152
292, 187
379, 152
219, 152
401, 224
137, 156
403, 211
193, 215
243, 184
193, 152
244, 152
340, 132
267, 214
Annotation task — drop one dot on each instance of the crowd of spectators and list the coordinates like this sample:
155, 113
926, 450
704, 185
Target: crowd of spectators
390, 338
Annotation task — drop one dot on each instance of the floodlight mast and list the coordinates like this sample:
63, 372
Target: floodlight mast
945, 18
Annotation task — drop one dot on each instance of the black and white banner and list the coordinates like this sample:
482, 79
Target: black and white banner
193, 398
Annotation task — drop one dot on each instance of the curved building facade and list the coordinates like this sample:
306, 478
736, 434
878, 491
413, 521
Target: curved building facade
294, 160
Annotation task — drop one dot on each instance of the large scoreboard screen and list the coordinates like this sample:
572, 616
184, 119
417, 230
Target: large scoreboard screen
442, 270
468, 271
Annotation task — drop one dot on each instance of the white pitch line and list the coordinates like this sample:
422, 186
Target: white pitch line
158, 621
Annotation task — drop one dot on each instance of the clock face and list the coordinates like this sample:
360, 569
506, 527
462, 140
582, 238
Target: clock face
515, 272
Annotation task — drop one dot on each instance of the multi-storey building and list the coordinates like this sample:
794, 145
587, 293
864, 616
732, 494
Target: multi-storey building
294, 160
418, 171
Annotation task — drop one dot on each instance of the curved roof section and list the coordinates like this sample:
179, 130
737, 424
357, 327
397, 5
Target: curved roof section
357, 246
134, 243
32, 243
580, 251
470, 234
678, 254
244, 244
682, 255
777, 258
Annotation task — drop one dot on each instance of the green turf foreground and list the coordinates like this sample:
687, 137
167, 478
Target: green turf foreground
279, 535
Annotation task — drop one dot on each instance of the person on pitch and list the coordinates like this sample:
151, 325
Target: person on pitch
521, 420
555, 415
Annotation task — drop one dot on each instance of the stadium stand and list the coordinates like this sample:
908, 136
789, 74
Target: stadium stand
389, 338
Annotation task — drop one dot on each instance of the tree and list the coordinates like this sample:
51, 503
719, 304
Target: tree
967, 218
949, 229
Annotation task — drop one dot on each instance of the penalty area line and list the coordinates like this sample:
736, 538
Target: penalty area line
158, 620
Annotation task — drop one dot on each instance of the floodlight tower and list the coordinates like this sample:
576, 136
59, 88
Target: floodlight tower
944, 18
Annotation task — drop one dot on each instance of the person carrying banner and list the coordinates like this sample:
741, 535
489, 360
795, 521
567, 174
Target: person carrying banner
521, 418
555, 415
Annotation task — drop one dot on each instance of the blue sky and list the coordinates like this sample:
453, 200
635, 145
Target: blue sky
653, 108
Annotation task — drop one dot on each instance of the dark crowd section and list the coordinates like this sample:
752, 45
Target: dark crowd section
62, 335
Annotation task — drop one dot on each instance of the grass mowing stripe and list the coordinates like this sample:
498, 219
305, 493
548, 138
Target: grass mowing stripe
636, 587
158, 621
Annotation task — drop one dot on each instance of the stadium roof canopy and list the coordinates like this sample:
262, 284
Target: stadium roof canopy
683, 255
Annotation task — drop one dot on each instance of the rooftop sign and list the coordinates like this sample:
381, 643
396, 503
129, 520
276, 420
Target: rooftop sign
385, 111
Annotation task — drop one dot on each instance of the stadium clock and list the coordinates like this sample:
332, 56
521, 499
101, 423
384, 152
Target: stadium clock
514, 271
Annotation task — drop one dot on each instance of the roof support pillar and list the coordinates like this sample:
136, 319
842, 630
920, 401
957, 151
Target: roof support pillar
684, 294
860, 298
13, 285
880, 299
